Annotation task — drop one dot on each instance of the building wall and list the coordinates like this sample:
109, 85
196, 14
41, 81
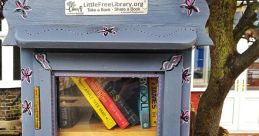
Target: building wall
10, 104
195, 99
10, 92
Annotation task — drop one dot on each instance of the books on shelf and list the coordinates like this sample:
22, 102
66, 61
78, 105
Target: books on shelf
144, 103
123, 101
120, 102
68, 117
94, 102
153, 90
107, 102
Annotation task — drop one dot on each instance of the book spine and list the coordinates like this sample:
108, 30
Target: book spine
107, 102
153, 89
144, 104
68, 117
94, 102
132, 118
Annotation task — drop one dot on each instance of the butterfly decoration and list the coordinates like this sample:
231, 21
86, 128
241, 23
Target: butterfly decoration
26, 74
107, 30
42, 59
185, 116
189, 5
186, 75
27, 107
22, 7
171, 63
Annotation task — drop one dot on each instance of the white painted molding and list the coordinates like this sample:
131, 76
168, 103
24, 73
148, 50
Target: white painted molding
4, 31
7, 62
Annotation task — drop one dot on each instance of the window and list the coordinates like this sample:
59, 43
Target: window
16, 63
201, 68
9, 72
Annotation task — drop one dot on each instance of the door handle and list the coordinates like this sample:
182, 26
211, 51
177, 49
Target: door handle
237, 84
243, 85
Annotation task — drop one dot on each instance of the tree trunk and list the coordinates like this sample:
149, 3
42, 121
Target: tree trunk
210, 108
221, 79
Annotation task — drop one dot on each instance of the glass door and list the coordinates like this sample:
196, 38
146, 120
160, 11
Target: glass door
240, 111
230, 112
249, 99
107, 105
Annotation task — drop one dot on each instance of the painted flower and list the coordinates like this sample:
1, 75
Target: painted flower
189, 5
171, 63
22, 7
107, 30
26, 107
26, 74
186, 75
185, 116
42, 59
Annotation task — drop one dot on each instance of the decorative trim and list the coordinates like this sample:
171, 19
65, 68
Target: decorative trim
37, 116
159, 95
27, 107
185, 116
26, 74
42, 59
189, 5
186, 75
105, 31
171, 63
22, 7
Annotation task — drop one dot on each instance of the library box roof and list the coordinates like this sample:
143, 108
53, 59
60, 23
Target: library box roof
113, 24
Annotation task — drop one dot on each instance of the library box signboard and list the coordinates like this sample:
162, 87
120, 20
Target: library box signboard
106, 68
107, 7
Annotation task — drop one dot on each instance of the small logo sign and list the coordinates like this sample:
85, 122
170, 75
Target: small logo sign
106, 7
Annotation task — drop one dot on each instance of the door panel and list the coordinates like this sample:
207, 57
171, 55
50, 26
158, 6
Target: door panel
249, 114
249, 100
229, 117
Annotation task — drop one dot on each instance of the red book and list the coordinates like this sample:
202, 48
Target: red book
107, 102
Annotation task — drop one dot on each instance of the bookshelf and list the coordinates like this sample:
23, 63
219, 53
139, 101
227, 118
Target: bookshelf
83, 128
79, 107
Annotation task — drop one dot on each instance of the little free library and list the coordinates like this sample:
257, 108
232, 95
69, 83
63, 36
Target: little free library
106, 67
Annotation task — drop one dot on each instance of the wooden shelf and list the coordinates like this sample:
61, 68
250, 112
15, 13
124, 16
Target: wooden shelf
83, 128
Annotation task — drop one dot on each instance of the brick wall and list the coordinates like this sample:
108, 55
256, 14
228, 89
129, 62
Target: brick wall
10, 104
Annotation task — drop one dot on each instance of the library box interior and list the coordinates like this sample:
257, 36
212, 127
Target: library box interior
106, 68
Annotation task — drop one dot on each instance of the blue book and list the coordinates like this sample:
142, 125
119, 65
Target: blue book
112, 89
144, 103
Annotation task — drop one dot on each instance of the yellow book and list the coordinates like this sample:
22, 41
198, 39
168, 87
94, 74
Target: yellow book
153, 89
88, 93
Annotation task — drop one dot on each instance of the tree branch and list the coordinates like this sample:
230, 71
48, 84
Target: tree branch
246, 21
242, 61
243, 3
2, 2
